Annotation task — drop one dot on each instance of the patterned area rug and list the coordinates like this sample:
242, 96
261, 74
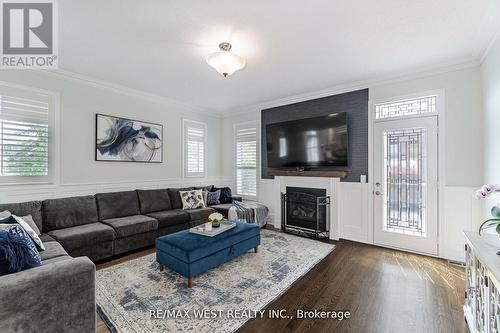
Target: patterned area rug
127, 293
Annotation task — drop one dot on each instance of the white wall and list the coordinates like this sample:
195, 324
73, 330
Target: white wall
78, 104
463, 156
491, 106
491, 101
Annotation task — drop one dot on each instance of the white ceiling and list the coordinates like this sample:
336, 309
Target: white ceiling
291, 47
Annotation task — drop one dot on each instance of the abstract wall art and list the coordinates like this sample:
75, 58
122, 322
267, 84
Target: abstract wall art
126, 140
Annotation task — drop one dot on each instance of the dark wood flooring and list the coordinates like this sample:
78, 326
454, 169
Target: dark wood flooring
385, 291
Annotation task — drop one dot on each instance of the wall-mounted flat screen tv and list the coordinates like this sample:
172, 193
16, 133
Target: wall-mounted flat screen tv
308, 143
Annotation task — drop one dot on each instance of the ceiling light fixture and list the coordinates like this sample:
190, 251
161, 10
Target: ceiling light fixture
225, 62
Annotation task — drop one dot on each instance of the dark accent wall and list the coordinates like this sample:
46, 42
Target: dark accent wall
354, 103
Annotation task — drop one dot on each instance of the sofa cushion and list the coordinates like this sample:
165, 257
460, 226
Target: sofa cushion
117, 204
68, 212
55, 259
83, 235
131, 225
46, 238
153, 200
175, 197
207, 188
199, 213
222, 208
33, 208
168, 218
52, 250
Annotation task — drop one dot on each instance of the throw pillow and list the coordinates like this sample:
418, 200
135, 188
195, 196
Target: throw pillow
192, 199
5, 214
205, 197
18, 252
225, 195
31, 232
213, 198
29, 220
13, 219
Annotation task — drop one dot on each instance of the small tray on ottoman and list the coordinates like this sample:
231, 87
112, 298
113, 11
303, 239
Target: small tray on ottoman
224, 226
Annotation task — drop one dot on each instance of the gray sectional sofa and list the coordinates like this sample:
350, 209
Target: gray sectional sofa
59, 296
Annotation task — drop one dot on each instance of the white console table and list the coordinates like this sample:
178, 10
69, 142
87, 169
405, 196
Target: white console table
482, 296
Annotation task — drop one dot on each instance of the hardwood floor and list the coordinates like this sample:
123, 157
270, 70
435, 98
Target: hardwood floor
384, 290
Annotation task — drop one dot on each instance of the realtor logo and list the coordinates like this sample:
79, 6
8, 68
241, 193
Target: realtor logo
29, 35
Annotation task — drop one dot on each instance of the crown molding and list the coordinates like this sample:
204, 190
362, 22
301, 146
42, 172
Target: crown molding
347, 87
120, 89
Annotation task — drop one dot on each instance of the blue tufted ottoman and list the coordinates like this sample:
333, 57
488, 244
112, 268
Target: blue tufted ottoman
190, 254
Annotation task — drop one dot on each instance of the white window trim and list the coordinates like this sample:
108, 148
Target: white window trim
235, 167
185, 123
54, 177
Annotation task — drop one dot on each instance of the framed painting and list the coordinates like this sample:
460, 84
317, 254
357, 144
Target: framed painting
126, 140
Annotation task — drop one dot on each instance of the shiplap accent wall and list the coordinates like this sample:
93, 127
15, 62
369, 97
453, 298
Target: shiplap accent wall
354, 103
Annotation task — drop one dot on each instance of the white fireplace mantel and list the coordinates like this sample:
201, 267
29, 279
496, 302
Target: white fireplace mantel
330, 184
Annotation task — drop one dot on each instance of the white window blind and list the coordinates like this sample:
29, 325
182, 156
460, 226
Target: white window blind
24, 134
194, 148
246, 159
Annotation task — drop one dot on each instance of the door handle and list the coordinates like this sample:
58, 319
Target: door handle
378, 193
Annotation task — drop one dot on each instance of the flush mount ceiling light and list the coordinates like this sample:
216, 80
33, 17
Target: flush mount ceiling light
225, 62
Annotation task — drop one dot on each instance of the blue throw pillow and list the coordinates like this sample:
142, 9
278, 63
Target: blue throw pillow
17, 251
8, 220
225, 195
213, 198
12, 220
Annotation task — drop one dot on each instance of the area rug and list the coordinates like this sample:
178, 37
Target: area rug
136, 297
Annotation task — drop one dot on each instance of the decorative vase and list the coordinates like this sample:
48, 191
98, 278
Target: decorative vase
495, 212
208, 226
215, 223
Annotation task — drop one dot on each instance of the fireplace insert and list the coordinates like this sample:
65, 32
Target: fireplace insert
305, 211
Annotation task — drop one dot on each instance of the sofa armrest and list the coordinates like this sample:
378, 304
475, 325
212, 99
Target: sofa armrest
236, 198
57, 297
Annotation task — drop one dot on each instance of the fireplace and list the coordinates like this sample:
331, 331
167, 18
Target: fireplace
305, 210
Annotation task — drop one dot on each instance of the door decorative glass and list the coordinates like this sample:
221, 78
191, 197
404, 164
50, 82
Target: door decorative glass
405, 181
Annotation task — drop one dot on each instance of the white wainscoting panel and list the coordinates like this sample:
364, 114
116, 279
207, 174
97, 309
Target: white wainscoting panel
354, 218
20, 193
268, 193
460, 211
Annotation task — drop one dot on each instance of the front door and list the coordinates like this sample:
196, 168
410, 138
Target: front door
405, 184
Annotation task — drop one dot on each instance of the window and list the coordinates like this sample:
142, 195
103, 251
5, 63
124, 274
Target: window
246, 159
25, 126
194, 148
408, 107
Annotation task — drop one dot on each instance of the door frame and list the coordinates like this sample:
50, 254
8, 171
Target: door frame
440, 114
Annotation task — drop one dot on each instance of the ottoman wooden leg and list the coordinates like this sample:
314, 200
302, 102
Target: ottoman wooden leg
190, 282
162, 268
256, 249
